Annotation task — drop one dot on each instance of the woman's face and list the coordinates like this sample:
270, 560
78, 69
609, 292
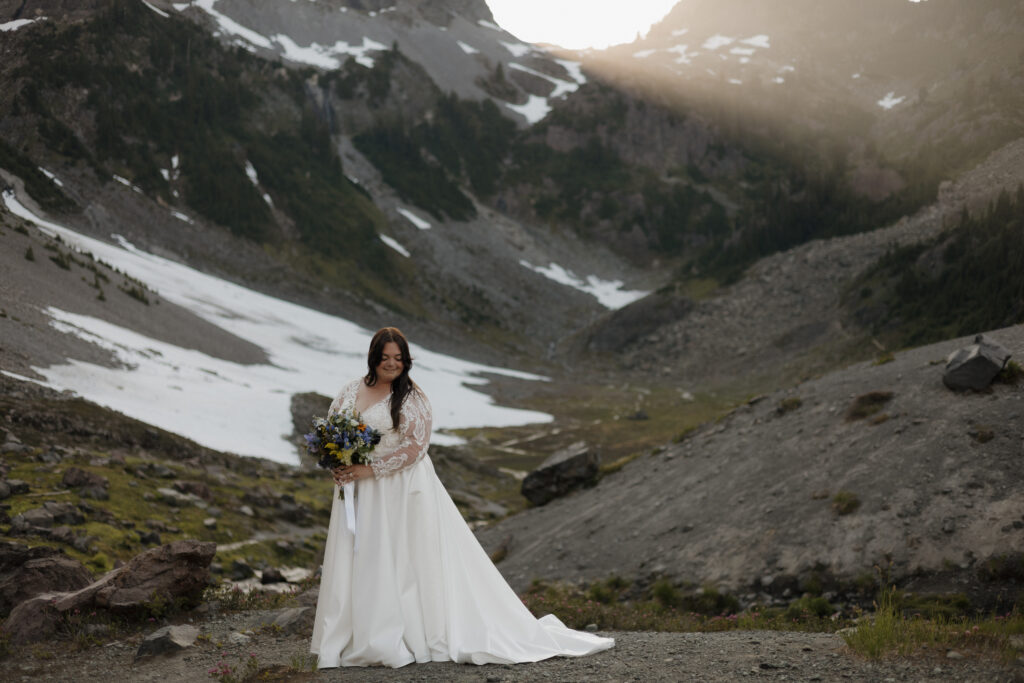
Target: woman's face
391, 363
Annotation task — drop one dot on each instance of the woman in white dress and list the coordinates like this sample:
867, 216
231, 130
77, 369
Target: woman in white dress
413, 584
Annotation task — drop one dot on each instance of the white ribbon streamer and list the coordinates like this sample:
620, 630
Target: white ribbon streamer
350, 511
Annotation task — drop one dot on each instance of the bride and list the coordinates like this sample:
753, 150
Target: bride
412, 584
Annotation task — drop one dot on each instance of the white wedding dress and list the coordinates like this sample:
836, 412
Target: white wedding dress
418, 587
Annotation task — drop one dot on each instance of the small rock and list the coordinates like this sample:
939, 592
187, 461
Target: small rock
272, 575
18, 486
247, 511
295, 619
240, 571
5, 490
953, 654
210, 523
167, 639
75, 477
150, 538
591, 627
238, 638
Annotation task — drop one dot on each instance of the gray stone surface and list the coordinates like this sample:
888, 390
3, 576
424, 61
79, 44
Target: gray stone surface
751, 495
974, 367
564, 471
167, 640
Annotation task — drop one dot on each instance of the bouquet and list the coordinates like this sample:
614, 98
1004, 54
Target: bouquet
341, 440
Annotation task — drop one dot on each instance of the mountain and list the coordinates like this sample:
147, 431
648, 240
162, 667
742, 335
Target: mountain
386, 161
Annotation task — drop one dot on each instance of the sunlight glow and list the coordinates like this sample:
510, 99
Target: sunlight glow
578, 24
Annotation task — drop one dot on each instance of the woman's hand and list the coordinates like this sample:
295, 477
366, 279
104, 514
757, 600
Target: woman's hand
347, 475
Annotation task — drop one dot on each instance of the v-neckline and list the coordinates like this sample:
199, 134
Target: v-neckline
355, 402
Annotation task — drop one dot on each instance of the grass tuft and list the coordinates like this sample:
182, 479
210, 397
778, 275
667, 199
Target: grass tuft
867, 405
890, 632
845, 502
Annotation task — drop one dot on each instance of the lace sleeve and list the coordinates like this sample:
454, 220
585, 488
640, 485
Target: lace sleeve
415, 426
346, 395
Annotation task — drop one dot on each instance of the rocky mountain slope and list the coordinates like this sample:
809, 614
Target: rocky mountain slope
872, 465
790, 315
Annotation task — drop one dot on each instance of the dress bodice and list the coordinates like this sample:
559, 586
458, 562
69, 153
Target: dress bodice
398, 448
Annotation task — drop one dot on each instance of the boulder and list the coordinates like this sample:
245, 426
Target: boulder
975, 366
175, 572
89, 484
64, 513
272, 575
166, 640
34, 521
295, 620
565, 471
196, 488
26, 572
240, 570
178, 499
18, 486
5, 490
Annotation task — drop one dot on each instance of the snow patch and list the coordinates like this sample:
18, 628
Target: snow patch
18, 23
159, 11
414, 219
778, 79
575, 70
561, 87
680, 31
760, 40
229, 25
240, 408
742, 51
716, 41
643, 54
53, 179
535, 109
684, 56
250, 171
890, 100
609, 293
182, 217
468, 49
735, 81
325, 56
490, 25
126, 183
517, 49
393, 243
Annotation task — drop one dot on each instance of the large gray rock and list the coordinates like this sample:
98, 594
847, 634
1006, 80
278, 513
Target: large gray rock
174, 572
168, 639
975, 366
564, 471
26, 572
64, 513
34, 521
89, 484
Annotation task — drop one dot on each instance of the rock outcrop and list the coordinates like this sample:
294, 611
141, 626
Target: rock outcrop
174, 572
565, 471
26, 572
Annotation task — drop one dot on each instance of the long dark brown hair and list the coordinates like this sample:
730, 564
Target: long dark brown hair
402, 386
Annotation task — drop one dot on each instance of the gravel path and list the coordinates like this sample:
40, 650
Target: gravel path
728, 656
